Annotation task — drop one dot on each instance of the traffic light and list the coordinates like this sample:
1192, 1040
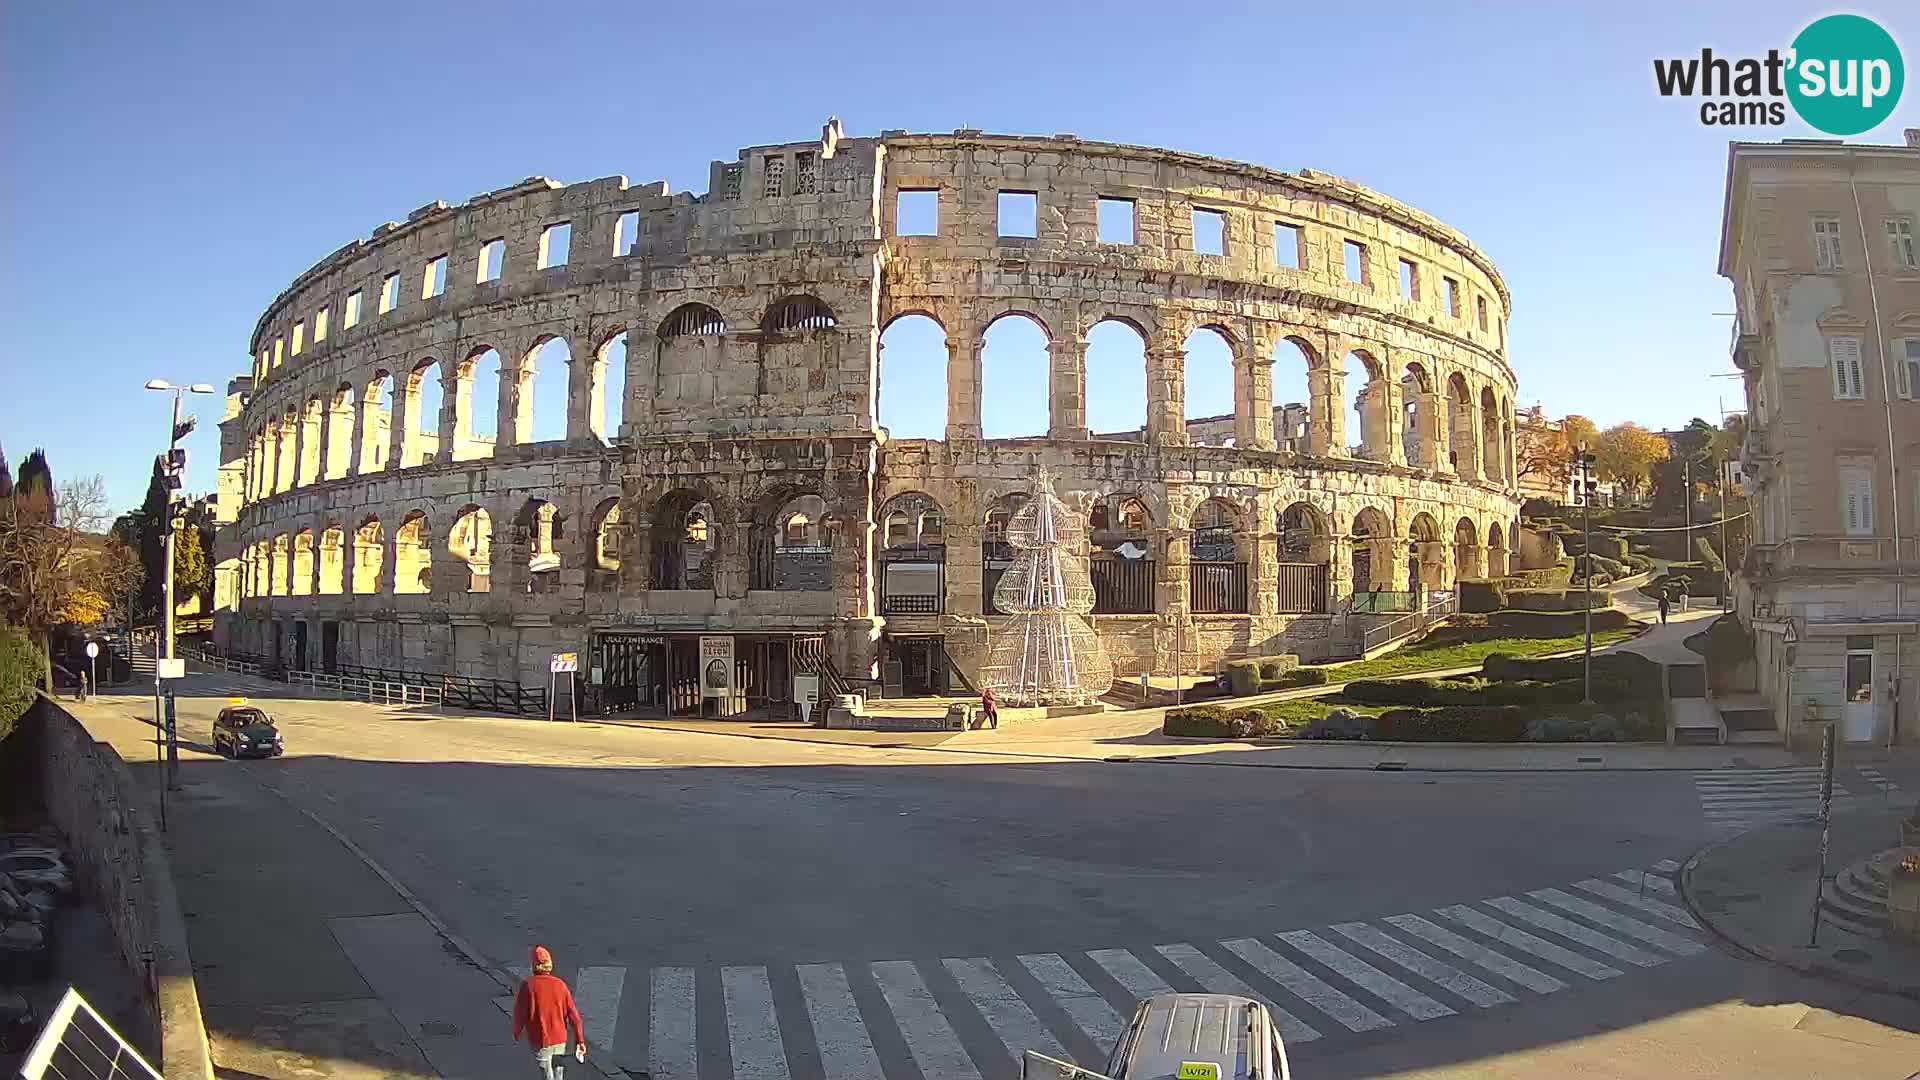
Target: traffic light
175, 468
184, 428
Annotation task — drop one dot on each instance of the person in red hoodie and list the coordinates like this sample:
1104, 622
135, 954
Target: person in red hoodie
542, 1010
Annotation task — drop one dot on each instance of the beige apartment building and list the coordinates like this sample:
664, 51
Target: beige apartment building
1819, 242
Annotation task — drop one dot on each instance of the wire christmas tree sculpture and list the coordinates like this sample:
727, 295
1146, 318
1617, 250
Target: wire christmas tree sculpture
1046, 654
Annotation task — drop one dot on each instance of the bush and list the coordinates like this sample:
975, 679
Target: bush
1215, 722
1546, 577
1437, 693
1277, 667
1537, 507
1243, 677
1612, 547
20, 669
1304, 676
1453, 724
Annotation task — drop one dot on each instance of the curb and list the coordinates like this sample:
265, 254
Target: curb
1787, 958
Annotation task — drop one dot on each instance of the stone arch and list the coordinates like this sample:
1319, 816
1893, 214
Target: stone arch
790, 542
1373, 545
1116, 378
477, 403
420, 423
413, 555
690, 354
369, 556
1120, 541
1216, 558
685, 536
912, 555
1419, 416
1466, 550
1426, 554
798, 313
332, 560
336, 455
1305, 535
280, 564
1463, 441
1015, 358
1370, 421
537, 531
470, 541
301, 583
608, 534
1210, 386
543, 391
1497, 564
607, 386
912, 398
289, 453
996, 554
912, 519
309, 442
1296, 369
1492, 461
376, 421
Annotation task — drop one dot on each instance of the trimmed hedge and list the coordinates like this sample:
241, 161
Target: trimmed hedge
1304, 676
1612, 547
1258, 674
1218, 722
1454, 724
1482, 596
1546, 577
1539, 624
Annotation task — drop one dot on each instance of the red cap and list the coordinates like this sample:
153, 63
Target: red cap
542, 956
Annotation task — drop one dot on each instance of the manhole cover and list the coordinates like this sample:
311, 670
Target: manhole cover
439, 1027
1851, 956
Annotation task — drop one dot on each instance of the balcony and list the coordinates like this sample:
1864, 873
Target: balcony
1829, 555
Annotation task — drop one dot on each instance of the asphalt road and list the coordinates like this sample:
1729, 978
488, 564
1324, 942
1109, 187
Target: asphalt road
759, 869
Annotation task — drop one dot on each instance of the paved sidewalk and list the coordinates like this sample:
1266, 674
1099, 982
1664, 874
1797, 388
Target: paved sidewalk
1757, 890
309, 963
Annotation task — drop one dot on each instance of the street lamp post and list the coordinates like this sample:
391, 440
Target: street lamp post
174, 468
1586, 489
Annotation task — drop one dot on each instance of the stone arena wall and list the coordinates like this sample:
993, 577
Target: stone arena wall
753, 320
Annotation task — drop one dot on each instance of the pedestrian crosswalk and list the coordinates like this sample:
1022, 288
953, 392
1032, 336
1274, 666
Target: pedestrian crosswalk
972, 1017
1744, 798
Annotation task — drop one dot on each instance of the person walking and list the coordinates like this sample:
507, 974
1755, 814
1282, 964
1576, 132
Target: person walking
1663, 607
542, 1010
989, 711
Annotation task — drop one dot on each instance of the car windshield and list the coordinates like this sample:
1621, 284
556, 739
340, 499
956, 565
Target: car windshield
250, 718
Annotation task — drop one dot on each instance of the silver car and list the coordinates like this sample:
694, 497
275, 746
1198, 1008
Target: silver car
1185, 1037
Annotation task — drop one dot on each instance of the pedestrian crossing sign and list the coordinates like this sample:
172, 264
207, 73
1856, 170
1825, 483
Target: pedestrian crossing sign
1199, 1070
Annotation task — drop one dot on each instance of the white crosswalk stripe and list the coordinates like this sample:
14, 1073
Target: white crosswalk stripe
846, 1050
1478, 955
1657, 908
1027, 1003
1083, 1003
1744, 798
1365, 975
1879, 781
1425, 966
929, 1037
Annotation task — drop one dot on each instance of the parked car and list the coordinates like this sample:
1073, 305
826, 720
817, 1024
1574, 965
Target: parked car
246, 731
25, 955
39, 869
15, 841
19, 904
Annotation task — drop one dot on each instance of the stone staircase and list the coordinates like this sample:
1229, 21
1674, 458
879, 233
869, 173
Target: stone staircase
1856, 898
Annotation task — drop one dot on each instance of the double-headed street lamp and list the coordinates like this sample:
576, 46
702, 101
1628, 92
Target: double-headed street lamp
174, 466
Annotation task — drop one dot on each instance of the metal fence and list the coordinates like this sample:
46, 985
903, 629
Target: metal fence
1217, 588
1122, 586
1435, 608
1302, 589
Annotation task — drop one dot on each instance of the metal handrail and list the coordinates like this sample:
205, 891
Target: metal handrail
1437, 607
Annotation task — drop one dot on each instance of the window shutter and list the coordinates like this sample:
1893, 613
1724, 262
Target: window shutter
1910, 369
1844, 352
1856, 487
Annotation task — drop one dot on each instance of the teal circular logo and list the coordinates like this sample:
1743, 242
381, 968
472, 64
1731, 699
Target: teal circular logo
1846, 74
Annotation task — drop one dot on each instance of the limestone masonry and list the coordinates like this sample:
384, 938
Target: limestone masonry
748, 504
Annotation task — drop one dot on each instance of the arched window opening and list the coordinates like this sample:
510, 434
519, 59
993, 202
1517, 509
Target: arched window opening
608, 535
537, 531
797, 314
1463, 444
792, 546
693, 320
480, 402
413, 556
1466, 551
1426, 558
1216, 573
1116, 383
1367, 422
1121, 563
422, 421
369, 557
1496, 551
683, 543
332, 560
1419, 426
338, 454
282, 567
288, 453
1015, 374
376, 422
1492, 460
996, 554
302, 583
471, 542
913, 378
309, 442
544, 391
1306, 551
913, 556
1209, 388
1292, 397
609, 390
1372, 543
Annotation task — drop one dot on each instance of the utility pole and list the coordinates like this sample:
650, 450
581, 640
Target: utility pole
174, 467
1587, 488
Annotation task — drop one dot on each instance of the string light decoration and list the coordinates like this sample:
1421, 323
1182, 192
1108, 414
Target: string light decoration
1047, 653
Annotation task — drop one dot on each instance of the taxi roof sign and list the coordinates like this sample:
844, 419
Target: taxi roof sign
1198, 1070
236, 701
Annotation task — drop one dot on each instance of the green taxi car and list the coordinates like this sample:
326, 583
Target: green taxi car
246, 731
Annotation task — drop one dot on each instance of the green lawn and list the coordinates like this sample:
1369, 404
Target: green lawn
1303, 711
1439, 656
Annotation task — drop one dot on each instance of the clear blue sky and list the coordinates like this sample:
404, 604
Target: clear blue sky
171, 166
